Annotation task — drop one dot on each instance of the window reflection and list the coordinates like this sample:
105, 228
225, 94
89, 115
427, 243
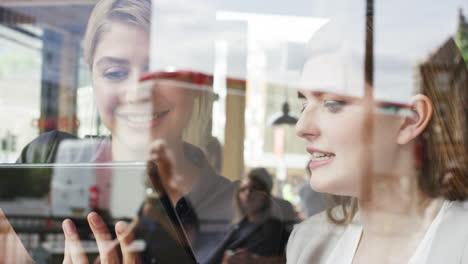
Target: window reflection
90, 88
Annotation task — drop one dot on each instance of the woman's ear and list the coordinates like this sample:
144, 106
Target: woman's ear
415, 124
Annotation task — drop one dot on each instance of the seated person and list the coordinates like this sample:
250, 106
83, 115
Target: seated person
257, 237
281, 209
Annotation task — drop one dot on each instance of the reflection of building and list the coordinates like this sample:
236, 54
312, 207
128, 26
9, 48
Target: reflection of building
43, 38
462, 35
444, 77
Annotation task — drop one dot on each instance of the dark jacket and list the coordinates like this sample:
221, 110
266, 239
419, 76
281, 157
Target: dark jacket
44, 148
264, 238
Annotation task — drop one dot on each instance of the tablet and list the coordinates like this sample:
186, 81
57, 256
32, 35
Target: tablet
72, 186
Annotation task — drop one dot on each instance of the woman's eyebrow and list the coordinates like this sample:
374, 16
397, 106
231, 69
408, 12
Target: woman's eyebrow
111, 60
316, 94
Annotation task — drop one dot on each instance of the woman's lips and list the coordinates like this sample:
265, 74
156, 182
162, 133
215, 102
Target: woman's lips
142, 120
319, 163
319, 157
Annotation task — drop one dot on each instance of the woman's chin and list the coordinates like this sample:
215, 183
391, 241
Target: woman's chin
319, 187
133, 143
327, 185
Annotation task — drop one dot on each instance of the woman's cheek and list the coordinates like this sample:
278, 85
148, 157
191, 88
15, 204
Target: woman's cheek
338, 131
107, 100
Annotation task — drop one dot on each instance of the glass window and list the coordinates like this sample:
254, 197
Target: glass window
207, 131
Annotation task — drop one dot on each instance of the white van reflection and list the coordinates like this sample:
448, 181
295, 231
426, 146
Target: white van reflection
83, 180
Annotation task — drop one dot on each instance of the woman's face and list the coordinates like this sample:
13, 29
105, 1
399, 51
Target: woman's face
133, 113
334, 129
251, 196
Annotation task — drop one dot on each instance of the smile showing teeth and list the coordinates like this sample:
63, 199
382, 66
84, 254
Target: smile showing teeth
317, 156
142, 117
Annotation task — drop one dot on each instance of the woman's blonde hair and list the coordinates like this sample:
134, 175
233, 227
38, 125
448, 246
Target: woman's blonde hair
198, 130
134, 12
138, 13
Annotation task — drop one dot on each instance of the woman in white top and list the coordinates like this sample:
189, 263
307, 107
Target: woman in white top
406, 191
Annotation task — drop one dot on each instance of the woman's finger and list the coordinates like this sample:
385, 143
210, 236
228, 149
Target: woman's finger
67, 257
107, 249
126, 237
73, 243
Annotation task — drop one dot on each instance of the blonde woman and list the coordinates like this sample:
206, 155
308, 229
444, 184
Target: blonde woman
116, 49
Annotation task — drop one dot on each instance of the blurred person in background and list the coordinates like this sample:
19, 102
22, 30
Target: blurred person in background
280, 208
258, 236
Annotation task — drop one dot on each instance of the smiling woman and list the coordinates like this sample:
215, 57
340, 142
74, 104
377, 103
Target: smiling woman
141, 109
135, 113
392, 201
400, 163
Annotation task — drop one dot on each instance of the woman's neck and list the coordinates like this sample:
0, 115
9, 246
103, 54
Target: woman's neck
257, 216
396, 222
395, 214
397, 207
252, 217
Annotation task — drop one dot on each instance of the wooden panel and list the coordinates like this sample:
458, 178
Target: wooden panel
233, 151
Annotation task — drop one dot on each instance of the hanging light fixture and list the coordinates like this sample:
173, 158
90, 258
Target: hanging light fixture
284, 118
279, 121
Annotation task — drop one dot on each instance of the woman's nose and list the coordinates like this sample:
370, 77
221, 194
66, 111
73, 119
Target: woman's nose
136, 91
306, 126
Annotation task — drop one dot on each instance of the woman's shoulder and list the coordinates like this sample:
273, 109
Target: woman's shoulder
456, 219
461, 205
450, 244
313, 239
456, 211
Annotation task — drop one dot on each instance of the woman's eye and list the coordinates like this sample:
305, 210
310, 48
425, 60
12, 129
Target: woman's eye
334, 106
115, 74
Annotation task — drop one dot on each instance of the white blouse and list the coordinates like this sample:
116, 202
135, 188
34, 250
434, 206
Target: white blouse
346, 247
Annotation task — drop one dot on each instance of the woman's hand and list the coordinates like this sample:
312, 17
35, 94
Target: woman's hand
107, 247
11, 248
162, 175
